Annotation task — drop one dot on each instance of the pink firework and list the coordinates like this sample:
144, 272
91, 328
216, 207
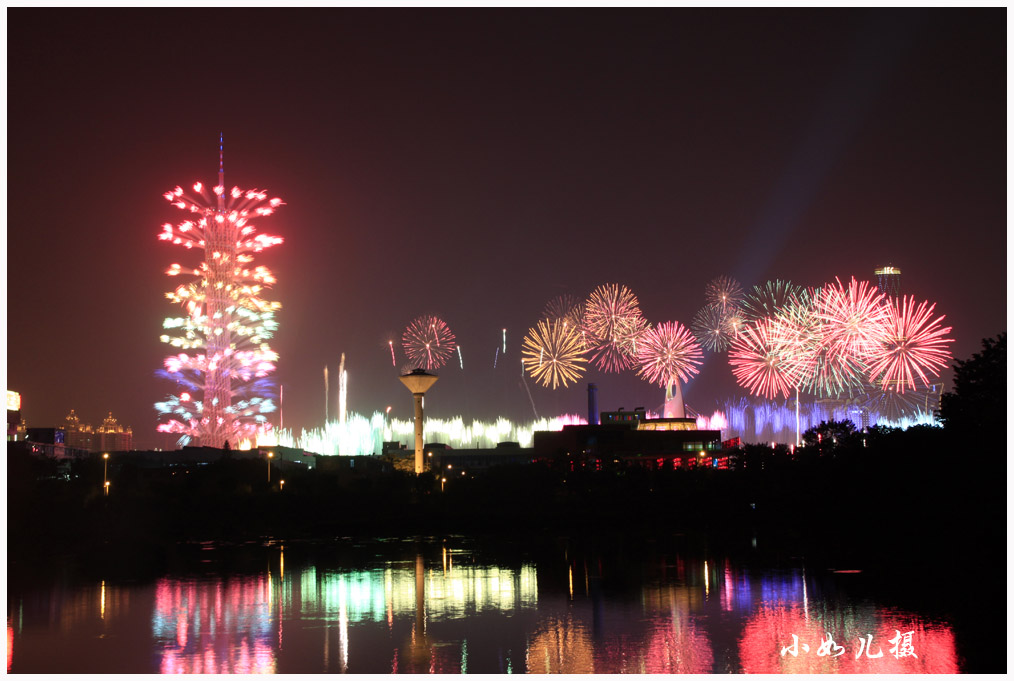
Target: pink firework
613, 326
809, 361
852, 318
227, 321
428, 342
759, 362
667, 353
912, 344
725, 292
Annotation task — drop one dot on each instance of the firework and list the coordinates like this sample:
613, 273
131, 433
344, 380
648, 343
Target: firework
461, 362
811, 361
226, 316
668, 352
552, 353
390, 344
428, 342
710, 328
852, 317
758, 361
911, 344
564, 308
612, 326
725, 292
768, 300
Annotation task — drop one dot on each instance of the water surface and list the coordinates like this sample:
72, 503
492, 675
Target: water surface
453, 605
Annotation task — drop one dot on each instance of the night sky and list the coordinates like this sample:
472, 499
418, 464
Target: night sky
474, 164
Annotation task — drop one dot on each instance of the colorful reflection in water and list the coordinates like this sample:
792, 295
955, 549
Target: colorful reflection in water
215, 626
444, 611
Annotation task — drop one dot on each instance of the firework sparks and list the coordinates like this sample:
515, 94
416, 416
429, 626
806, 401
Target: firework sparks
612, 327
667, 353
710, 328
226, 316
911, 344
812, 362
390, 344
725, 292
852, 317
758, 361
768, 300
428, 342
564, 308
553, 354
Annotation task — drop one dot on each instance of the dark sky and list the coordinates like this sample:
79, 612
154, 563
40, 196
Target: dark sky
474, 164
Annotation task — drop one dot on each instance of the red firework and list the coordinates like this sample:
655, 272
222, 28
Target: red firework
912, 344
852, 318
428, 342
668, 352
613, 327
759, 360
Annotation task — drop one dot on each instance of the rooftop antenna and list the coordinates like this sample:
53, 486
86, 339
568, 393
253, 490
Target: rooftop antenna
221, 172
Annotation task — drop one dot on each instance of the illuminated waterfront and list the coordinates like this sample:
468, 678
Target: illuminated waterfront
444, 605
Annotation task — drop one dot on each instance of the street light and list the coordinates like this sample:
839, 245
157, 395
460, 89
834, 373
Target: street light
105, 473
271, 455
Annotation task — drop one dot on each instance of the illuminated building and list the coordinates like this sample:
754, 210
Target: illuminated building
626, 438
77, 434
15, 426
109, 437
112, 437
889, 280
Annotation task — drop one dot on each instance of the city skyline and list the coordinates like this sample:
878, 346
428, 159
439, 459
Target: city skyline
475, 165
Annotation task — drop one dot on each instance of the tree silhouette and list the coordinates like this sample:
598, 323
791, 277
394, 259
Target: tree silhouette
977, 406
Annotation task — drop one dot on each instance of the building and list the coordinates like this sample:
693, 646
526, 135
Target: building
112, 437
630, 438
889, 280
77, 434
15, 425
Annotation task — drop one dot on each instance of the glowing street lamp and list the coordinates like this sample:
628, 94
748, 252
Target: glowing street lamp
271, 455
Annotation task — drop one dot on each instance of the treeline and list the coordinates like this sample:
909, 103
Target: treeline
921, 494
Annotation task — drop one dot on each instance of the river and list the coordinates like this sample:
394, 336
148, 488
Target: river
460, 605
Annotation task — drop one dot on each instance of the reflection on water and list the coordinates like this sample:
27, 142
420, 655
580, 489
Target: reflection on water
443, 610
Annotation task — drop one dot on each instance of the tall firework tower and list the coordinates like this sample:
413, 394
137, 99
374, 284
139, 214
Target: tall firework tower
222, 391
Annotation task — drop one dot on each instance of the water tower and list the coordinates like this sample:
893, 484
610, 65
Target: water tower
418, 382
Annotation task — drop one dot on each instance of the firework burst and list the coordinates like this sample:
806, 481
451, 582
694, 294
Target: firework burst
428, 342
553, 353
711, 328
759, 362
852, 318
566, 308
725, 292
613, 326
668, 352
226, 317
768, 300
811, 361
911, 344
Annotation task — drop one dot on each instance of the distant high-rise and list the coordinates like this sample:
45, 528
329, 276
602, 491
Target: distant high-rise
889, 280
